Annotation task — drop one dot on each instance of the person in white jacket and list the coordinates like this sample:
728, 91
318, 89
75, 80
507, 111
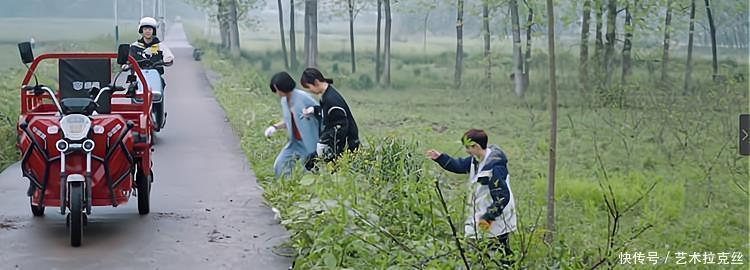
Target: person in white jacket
492, 206
149, 46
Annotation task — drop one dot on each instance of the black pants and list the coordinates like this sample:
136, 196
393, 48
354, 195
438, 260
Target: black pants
501, 243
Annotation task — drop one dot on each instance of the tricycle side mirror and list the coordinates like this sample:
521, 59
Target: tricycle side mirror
123, 51
27, 55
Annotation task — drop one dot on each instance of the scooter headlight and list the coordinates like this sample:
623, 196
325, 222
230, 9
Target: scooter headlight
62, 146
75, 126
88, 145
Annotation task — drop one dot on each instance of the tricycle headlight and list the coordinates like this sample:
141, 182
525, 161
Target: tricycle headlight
75, 126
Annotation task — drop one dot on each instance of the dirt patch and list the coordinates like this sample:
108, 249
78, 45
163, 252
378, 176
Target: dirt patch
216, 237
170, 215
8, 224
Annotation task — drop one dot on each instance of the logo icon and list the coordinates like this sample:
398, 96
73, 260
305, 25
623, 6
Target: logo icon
77, 85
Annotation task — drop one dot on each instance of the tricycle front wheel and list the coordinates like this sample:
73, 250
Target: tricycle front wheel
36, 210
76, 214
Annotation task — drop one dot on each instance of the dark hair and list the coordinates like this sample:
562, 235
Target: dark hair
477, 136
283, 81
310, 75
140, 30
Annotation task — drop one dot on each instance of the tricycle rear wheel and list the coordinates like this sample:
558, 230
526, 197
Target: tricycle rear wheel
143, 185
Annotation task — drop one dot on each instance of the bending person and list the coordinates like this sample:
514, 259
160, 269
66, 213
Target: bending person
340, 131
302, 131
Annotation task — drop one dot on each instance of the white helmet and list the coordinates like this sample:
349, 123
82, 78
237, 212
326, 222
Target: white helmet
147, 21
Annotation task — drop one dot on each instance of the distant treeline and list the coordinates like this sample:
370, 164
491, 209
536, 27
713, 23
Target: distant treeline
127, 9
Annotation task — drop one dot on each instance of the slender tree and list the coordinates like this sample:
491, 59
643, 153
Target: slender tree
221, 16
553, 117
712, 32
387, 51
628, 43
281, 32
457, 76
350, 7
518, 75
611, 40
487, 45
598, 39
378, 58
234, 30
667, 29
292, 37
311, 33
689, 65
583, 71
527, 55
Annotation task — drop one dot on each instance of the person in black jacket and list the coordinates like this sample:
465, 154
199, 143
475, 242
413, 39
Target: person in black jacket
339, 132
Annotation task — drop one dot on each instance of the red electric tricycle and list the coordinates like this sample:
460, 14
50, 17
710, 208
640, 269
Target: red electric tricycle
79, 147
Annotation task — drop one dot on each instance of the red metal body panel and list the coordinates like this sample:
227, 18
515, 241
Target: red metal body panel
118, 163
39, 116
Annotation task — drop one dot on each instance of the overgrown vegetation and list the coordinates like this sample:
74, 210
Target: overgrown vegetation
648, 173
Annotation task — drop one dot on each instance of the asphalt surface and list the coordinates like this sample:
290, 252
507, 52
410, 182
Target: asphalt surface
207, 210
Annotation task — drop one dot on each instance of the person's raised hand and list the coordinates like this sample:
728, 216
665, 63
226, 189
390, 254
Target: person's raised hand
433, 154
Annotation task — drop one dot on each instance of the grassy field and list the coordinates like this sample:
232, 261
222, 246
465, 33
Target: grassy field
642, 144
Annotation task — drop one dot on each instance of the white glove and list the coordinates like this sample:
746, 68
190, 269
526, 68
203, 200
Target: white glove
307, 112
168, 59
270, 131
319, 148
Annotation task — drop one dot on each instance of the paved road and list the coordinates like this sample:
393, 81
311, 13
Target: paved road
207, 210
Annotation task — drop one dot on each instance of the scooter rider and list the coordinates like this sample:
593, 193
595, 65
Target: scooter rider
150, 47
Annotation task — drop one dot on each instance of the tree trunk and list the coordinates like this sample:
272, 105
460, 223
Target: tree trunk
387, 52
705, 37
459, 43
727, 43
306, 50
665, 54
487, 45
281, 32
553, 129
234, 31
378, 62
314, 36
598, 40
292, 37
351, 36
736, 36
609, 53
424, 36
583, 71
311, 33
689, 65
712, 31
517, 56
527, 57
627, 44
221, 17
